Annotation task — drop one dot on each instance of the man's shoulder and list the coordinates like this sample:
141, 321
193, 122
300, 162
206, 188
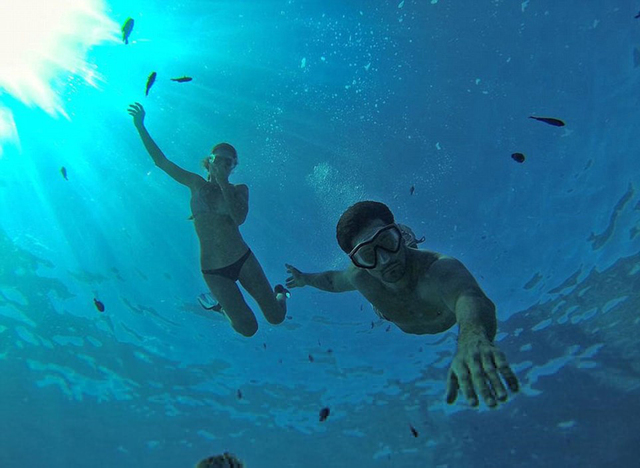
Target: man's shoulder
353, 273
426, 258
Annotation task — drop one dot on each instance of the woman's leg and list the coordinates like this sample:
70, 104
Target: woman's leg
253, 279
233, 304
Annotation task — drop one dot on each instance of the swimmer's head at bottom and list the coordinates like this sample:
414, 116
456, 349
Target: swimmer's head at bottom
226, 460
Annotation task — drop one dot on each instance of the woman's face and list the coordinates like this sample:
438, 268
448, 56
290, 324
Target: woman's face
222, 160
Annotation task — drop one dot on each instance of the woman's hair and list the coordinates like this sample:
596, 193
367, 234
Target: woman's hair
358, 216
224, 147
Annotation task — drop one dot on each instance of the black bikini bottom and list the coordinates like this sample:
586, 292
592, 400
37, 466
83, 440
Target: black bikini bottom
231, 271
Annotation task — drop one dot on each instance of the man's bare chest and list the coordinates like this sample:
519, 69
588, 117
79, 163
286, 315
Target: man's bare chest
407, 307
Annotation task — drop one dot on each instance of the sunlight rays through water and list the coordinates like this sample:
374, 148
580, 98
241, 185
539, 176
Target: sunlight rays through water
42, 46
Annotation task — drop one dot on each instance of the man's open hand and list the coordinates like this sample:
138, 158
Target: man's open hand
296, 280
477, 368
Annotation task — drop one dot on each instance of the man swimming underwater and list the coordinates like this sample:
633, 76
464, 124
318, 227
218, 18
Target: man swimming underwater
208, 302
421, 292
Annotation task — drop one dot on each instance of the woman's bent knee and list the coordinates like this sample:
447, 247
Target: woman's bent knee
246, 329
275, 319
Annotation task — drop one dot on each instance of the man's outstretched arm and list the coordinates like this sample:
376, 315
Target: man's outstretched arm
478, 363
331, 281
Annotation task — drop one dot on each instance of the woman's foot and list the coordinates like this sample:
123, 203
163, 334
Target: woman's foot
281, 292
208, 303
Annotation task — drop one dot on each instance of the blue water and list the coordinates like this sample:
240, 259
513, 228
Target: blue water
328, 103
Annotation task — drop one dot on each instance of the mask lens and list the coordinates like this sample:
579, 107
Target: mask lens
365, 256
389, 240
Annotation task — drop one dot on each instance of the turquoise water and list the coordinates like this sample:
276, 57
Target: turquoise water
328, 103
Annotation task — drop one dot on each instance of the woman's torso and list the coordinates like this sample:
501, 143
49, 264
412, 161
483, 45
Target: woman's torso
221, 243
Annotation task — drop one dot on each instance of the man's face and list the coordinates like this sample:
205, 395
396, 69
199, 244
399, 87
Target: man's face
378, 241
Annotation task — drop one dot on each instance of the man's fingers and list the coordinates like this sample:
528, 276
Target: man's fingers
480, 381
492, 374
452, 387
505, 370
466, 386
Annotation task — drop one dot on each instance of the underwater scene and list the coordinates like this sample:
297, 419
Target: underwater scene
319, 233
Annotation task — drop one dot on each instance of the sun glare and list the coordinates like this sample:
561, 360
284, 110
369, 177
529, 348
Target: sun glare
42, 41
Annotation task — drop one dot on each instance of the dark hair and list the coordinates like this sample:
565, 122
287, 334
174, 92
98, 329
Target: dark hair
356, 217
224, 147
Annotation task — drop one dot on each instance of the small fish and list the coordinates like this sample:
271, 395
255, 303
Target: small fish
150, 81
239, 394
182, 79
264, 345
99, 305
310, 358
388, 328
63, 171
329, 351
413, 431
324, 414
372, 325
127, 27
518, 157
412, 189
549, 120
360, 306
637, 16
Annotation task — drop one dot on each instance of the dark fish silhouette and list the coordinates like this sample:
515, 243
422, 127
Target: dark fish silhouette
310, 358
63, 171
549, 120
127, 27
324, 414
182, 79
99, 305
264, 345
150, 81
388, 328
239, 395
518, 157
411, 190
413, 431
637, 16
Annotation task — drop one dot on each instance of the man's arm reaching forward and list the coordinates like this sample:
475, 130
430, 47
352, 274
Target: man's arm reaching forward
478, 364
331, 281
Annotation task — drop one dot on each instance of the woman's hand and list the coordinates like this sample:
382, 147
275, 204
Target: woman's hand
137, 112
220, 169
